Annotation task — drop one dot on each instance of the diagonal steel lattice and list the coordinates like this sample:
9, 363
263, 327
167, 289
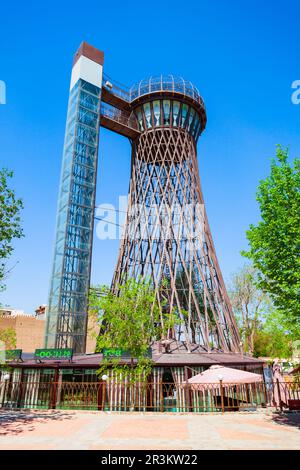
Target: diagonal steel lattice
167, 239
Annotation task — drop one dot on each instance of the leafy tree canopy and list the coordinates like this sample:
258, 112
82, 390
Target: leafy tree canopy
129, 317
275, 337
10, 227
9, 338
275, 240
130, 320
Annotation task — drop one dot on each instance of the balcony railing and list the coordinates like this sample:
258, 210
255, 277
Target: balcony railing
119, 116
116, 88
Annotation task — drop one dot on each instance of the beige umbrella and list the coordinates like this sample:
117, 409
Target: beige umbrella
228, 376
227, 387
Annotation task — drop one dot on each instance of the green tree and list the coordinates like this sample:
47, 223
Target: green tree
249, 304
9, 338
274, 337
129, 321
275, 241
10, 227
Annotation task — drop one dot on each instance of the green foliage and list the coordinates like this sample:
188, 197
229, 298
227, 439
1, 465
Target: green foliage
275, 338
9, 338
275, 241
129, 317
133, 373
10, 228
271, 344
130, 321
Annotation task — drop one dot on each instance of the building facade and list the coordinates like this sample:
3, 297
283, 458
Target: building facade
76, 384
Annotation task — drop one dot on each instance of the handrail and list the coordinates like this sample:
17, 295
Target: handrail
116, 89
118, 116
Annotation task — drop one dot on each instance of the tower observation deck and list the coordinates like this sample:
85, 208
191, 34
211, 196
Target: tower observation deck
167, 236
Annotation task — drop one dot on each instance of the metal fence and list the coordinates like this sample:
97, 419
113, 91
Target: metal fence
158, 397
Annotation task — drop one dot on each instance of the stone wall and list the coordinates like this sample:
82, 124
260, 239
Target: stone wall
30, 332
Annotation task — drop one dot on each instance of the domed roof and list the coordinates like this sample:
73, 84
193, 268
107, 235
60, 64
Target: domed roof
169, 83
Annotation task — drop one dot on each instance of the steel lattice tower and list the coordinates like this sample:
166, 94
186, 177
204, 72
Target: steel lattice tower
167, 236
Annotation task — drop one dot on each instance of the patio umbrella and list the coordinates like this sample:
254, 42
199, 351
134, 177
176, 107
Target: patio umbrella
234, 390
214, 374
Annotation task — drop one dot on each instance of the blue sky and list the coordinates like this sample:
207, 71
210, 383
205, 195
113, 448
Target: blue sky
242, 55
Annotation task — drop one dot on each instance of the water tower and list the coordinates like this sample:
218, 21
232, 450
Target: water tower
167, 236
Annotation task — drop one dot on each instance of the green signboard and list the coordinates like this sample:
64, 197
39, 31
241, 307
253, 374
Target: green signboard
120, 353
46, 354
13, 354
113, 352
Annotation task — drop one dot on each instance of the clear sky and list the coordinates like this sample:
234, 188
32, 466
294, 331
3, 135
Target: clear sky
243, 55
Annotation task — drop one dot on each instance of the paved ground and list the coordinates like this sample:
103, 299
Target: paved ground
98, 430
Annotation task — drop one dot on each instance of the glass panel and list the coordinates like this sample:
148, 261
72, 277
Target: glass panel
86, 135
191, 117
166, 106
87, 117
90, 88
184, 112
176, 107
195, 125
147, 111
156, 109
140, 118
89, 101
197, 129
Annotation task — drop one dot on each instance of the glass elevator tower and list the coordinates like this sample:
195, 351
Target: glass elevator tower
67, 311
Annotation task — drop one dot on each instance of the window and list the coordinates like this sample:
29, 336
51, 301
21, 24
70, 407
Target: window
87, 117
197, 128
176, 107
89, 101
140, 118
185, 109
191, 117
86, 135
195, 125
147, 111
166, 106
156, 110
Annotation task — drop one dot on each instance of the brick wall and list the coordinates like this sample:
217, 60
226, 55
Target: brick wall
30, 332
